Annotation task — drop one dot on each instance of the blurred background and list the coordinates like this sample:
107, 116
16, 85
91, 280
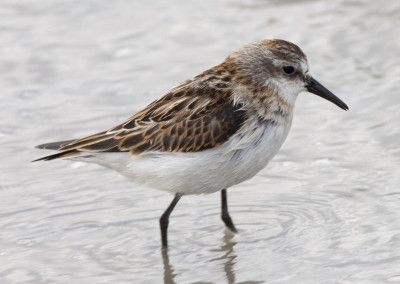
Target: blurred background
325, 210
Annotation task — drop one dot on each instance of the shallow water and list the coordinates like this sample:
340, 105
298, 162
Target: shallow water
326, 209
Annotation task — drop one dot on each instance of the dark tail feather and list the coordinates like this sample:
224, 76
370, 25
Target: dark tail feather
61, 155
54, 145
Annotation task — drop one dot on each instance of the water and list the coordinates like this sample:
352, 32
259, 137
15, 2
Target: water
326, 209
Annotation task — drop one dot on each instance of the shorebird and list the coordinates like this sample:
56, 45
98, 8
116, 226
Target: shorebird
210, 132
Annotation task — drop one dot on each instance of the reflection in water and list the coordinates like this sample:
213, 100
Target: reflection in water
228, 258
168, 269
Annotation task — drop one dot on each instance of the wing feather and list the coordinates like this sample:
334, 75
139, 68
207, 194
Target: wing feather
187, 119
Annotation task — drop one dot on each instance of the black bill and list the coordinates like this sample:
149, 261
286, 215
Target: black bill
313, 86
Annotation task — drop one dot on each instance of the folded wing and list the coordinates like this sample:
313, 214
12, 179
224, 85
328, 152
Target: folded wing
186, 119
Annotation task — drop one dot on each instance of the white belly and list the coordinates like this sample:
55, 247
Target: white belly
208, 171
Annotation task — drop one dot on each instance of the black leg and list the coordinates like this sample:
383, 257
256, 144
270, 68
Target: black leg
164, 219
224, 212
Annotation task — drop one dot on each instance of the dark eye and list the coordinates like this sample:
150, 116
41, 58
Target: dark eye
288, 69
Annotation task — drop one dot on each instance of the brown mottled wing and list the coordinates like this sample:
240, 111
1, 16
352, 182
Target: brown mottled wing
189, 120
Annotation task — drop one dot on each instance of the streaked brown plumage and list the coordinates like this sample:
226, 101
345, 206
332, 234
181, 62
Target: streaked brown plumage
206, 111
197, 115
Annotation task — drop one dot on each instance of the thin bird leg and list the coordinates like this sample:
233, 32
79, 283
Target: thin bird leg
164, 219
224, 212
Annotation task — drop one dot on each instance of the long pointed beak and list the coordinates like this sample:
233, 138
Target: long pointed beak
313, 86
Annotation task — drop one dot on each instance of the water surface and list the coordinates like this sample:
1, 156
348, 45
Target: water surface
326, 209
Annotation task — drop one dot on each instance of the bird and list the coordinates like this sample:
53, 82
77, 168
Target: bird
208, 133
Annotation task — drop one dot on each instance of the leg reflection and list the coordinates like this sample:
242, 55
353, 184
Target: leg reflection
228, 257
168, 269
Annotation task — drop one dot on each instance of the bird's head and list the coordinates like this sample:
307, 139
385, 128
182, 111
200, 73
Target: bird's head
282, 67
